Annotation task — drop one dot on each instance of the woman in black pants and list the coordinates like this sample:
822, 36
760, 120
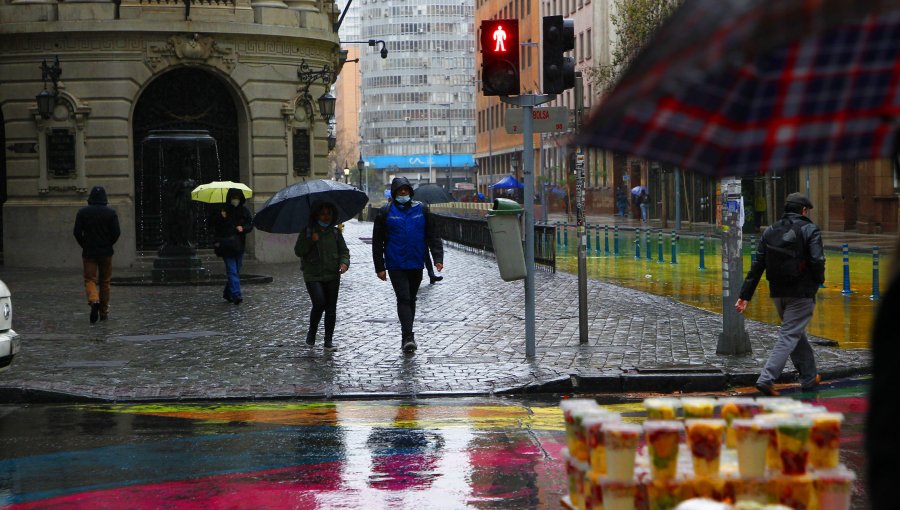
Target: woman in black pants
324, 257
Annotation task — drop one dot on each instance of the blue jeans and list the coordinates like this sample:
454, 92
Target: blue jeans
233, 275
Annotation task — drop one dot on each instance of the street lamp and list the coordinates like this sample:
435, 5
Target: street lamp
46, 100
360, 166
346, 173
308, 76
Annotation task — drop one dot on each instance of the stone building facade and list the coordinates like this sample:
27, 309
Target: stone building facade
134, 68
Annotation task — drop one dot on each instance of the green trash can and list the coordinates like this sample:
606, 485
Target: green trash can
506, 236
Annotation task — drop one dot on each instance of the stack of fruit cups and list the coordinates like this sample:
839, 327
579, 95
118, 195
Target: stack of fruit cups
704, 438
825, 440
733, 408
594, 424
663, 439
698, 407
573, 411
619, 485
833, 488
576, 471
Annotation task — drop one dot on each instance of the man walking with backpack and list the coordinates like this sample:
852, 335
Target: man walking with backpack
793, 259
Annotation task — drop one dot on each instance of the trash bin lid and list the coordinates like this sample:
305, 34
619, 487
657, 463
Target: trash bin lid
505, 206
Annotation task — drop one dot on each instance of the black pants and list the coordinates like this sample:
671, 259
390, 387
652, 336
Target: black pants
406, 285
324, 296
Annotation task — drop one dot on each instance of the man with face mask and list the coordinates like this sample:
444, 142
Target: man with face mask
231, 224
403, 231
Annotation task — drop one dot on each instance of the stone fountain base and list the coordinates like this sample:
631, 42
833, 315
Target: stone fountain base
178, 264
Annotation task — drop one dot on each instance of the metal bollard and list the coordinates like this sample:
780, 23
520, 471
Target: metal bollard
605, 240
752, 249
649, 234
702, 262
659, 246
876, 295
616, 241
566, 235
558, 234
637, 245
845, 249
674, 244
587, 230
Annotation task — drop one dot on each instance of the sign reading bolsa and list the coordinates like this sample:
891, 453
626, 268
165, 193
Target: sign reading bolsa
554, 119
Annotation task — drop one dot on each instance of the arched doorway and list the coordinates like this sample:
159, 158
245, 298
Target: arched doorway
186, 99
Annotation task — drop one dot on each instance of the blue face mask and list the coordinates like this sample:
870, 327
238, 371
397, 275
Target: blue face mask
403, 199
323, 224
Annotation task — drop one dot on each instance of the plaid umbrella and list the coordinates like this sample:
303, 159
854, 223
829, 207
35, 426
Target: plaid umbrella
740, 87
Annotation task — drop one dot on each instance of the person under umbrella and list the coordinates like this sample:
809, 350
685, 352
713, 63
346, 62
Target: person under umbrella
324, 258
231, 224
403, 231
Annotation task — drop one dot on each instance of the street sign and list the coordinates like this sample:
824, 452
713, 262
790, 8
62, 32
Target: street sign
554, 119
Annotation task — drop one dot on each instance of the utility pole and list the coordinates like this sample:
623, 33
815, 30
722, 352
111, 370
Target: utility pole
579, 216
734, 338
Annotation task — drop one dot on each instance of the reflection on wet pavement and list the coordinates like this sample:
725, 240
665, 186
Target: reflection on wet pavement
442, 453
845, 319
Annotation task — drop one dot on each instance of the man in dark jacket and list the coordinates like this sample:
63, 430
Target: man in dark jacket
97, 230
794, 297
231, 225
403, 230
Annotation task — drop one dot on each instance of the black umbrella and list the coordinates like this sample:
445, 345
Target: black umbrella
287, 212
432, 194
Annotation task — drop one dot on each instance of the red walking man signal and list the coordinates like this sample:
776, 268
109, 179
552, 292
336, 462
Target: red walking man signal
500, 57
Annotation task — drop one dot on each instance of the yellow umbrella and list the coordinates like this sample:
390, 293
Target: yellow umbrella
216, 191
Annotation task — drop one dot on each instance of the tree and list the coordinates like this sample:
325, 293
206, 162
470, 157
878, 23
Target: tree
634, 22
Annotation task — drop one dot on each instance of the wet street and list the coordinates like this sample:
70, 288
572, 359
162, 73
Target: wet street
426, 453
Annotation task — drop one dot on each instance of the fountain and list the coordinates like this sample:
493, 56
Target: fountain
180, 160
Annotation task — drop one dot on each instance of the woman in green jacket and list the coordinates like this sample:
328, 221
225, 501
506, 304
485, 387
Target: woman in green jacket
324, 257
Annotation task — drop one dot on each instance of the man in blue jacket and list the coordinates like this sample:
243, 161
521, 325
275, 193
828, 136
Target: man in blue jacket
403, 231
97, 230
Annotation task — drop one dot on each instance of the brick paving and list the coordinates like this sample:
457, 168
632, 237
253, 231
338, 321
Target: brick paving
186, 343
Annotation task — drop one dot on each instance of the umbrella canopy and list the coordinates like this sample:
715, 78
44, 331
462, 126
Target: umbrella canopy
216, 191
739, 87
288, 211
432, 194
637, 190
507, 182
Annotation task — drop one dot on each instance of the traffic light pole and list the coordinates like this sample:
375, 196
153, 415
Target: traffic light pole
528, 102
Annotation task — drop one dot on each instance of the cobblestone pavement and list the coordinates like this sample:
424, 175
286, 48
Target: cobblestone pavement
165, 343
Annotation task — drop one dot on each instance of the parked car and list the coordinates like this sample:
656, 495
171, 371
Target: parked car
9, 340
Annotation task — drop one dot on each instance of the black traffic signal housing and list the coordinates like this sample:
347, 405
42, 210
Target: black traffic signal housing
500, 57
558, 38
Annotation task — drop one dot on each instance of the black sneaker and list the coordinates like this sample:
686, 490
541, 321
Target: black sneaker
226, 296
237, 301
435, 279
95, 312
310, 338
329, 346
409, 347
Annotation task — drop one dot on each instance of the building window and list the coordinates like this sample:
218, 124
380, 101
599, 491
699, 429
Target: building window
581, 47
587, 49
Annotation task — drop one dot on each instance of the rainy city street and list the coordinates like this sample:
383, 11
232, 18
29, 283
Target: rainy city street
402, 454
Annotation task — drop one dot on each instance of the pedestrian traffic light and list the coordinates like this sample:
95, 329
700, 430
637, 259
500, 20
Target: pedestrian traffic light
558, 38
500, 57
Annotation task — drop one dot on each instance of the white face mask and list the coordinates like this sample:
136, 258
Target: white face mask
236, 202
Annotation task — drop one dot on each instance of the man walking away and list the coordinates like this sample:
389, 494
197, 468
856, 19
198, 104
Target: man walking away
793, 259
403, 231
97, 230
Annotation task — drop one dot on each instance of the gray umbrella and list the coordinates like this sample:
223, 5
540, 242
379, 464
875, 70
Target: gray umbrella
288, 211
432, 194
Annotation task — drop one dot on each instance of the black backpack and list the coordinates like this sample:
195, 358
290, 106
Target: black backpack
785, 252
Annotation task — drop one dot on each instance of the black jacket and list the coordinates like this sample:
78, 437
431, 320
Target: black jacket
96, 226
226, 220
813, 276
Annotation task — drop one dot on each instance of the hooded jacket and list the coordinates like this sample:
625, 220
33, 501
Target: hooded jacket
96, 226
321, 260
813, 276
402, 233
226, 220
